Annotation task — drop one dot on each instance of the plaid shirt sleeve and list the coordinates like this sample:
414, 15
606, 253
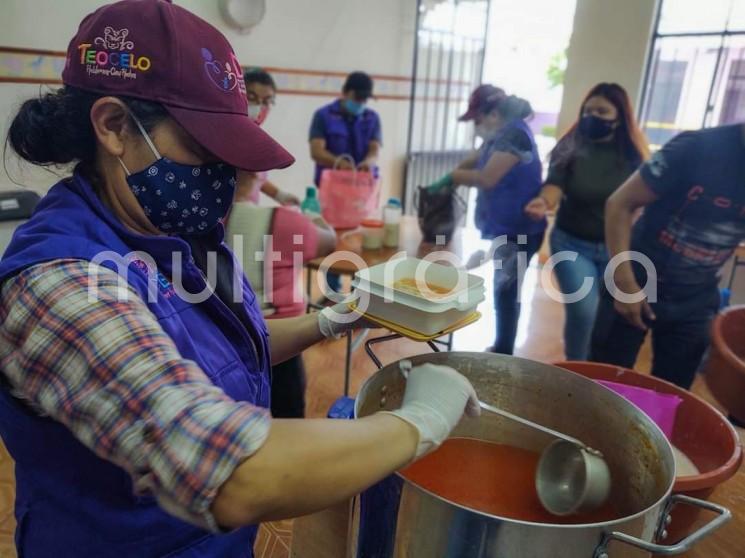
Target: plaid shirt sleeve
108, 372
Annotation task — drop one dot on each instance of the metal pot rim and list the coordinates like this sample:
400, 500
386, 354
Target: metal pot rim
661, 501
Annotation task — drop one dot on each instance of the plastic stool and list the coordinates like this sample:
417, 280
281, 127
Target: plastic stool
343, 408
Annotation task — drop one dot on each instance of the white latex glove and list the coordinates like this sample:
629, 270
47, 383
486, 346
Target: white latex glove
334, 321
286, 198
476, 260
436, 398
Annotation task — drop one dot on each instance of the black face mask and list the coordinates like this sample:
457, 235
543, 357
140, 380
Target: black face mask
595, 128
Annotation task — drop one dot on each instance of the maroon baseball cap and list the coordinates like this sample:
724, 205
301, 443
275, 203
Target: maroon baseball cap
483, 99
156, 51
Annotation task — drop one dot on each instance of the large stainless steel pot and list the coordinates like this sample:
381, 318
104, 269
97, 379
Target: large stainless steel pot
419, 524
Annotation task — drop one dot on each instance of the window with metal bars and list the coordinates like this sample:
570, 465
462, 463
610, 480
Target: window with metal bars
696, 72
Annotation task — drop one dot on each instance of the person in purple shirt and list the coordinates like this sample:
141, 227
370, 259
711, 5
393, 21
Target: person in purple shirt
135, 379
347, 127
506, 169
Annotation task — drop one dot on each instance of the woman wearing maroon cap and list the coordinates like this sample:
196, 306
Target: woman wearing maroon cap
506, 169
134, 375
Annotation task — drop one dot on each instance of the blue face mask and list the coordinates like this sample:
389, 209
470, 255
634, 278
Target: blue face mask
353, 107
182, 199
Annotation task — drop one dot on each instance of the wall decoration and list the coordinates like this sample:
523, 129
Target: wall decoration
19, 65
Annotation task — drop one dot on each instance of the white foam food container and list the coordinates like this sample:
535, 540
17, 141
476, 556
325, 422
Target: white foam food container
427, 311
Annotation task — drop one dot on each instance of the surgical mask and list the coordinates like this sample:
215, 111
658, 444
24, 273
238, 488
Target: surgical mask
485, 132
258, 113
596, 128
179, 198
353, 107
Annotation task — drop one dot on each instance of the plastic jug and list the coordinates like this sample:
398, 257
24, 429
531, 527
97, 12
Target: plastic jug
311, 205
392, 223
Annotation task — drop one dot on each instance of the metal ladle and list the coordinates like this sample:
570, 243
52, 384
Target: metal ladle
571, 476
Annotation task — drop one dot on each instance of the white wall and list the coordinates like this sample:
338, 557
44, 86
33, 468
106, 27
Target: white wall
335, 35
609, 42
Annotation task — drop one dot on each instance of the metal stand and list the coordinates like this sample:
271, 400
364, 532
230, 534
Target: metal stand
310, 305
348, 364
352, 345
736, 263
433, 345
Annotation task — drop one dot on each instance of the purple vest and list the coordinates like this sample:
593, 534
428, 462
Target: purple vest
70, 503
345, 135
501, 210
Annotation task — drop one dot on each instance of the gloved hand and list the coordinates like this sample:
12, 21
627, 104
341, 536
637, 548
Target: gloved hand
286, 198
476, 260
436, 398
444, 182
334, 321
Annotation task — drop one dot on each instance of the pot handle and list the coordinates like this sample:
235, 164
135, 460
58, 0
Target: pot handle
376, 340
670, 550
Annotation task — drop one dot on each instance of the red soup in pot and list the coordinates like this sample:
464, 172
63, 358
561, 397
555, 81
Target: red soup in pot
491, 478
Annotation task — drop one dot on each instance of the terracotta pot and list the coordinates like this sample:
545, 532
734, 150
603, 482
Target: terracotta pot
700, 431
725, 367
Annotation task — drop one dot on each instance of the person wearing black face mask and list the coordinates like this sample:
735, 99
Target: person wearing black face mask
596, 155
597, 128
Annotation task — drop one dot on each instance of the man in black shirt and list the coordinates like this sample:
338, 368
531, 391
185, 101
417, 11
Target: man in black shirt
693, 192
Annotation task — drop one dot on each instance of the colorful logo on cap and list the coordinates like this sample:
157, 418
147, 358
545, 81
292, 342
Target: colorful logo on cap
113, 55
225, 75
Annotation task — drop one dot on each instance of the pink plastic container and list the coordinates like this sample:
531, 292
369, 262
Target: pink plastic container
662, 408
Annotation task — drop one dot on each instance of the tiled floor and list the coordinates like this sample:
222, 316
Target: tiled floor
539, 337
274, 540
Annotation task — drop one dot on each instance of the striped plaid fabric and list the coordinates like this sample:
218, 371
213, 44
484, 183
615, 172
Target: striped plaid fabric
109, 373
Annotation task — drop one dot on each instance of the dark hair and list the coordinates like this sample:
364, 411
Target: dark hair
258, 75
630, 141
360, 83
510, 107
55, 128
515, 108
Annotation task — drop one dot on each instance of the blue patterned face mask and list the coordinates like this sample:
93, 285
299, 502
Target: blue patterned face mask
182, 199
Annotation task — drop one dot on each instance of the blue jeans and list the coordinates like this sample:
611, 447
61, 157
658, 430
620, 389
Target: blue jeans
510, 261
592, 259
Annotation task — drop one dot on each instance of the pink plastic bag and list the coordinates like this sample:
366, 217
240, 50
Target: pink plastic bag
347, 197
660, 407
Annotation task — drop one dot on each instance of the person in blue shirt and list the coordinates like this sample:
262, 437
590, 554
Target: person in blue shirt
346, 127
507, 171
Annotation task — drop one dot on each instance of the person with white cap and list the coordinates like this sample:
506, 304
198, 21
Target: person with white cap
134, 360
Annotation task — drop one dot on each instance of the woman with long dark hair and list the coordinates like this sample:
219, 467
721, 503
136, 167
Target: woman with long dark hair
135, 375
595, 156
